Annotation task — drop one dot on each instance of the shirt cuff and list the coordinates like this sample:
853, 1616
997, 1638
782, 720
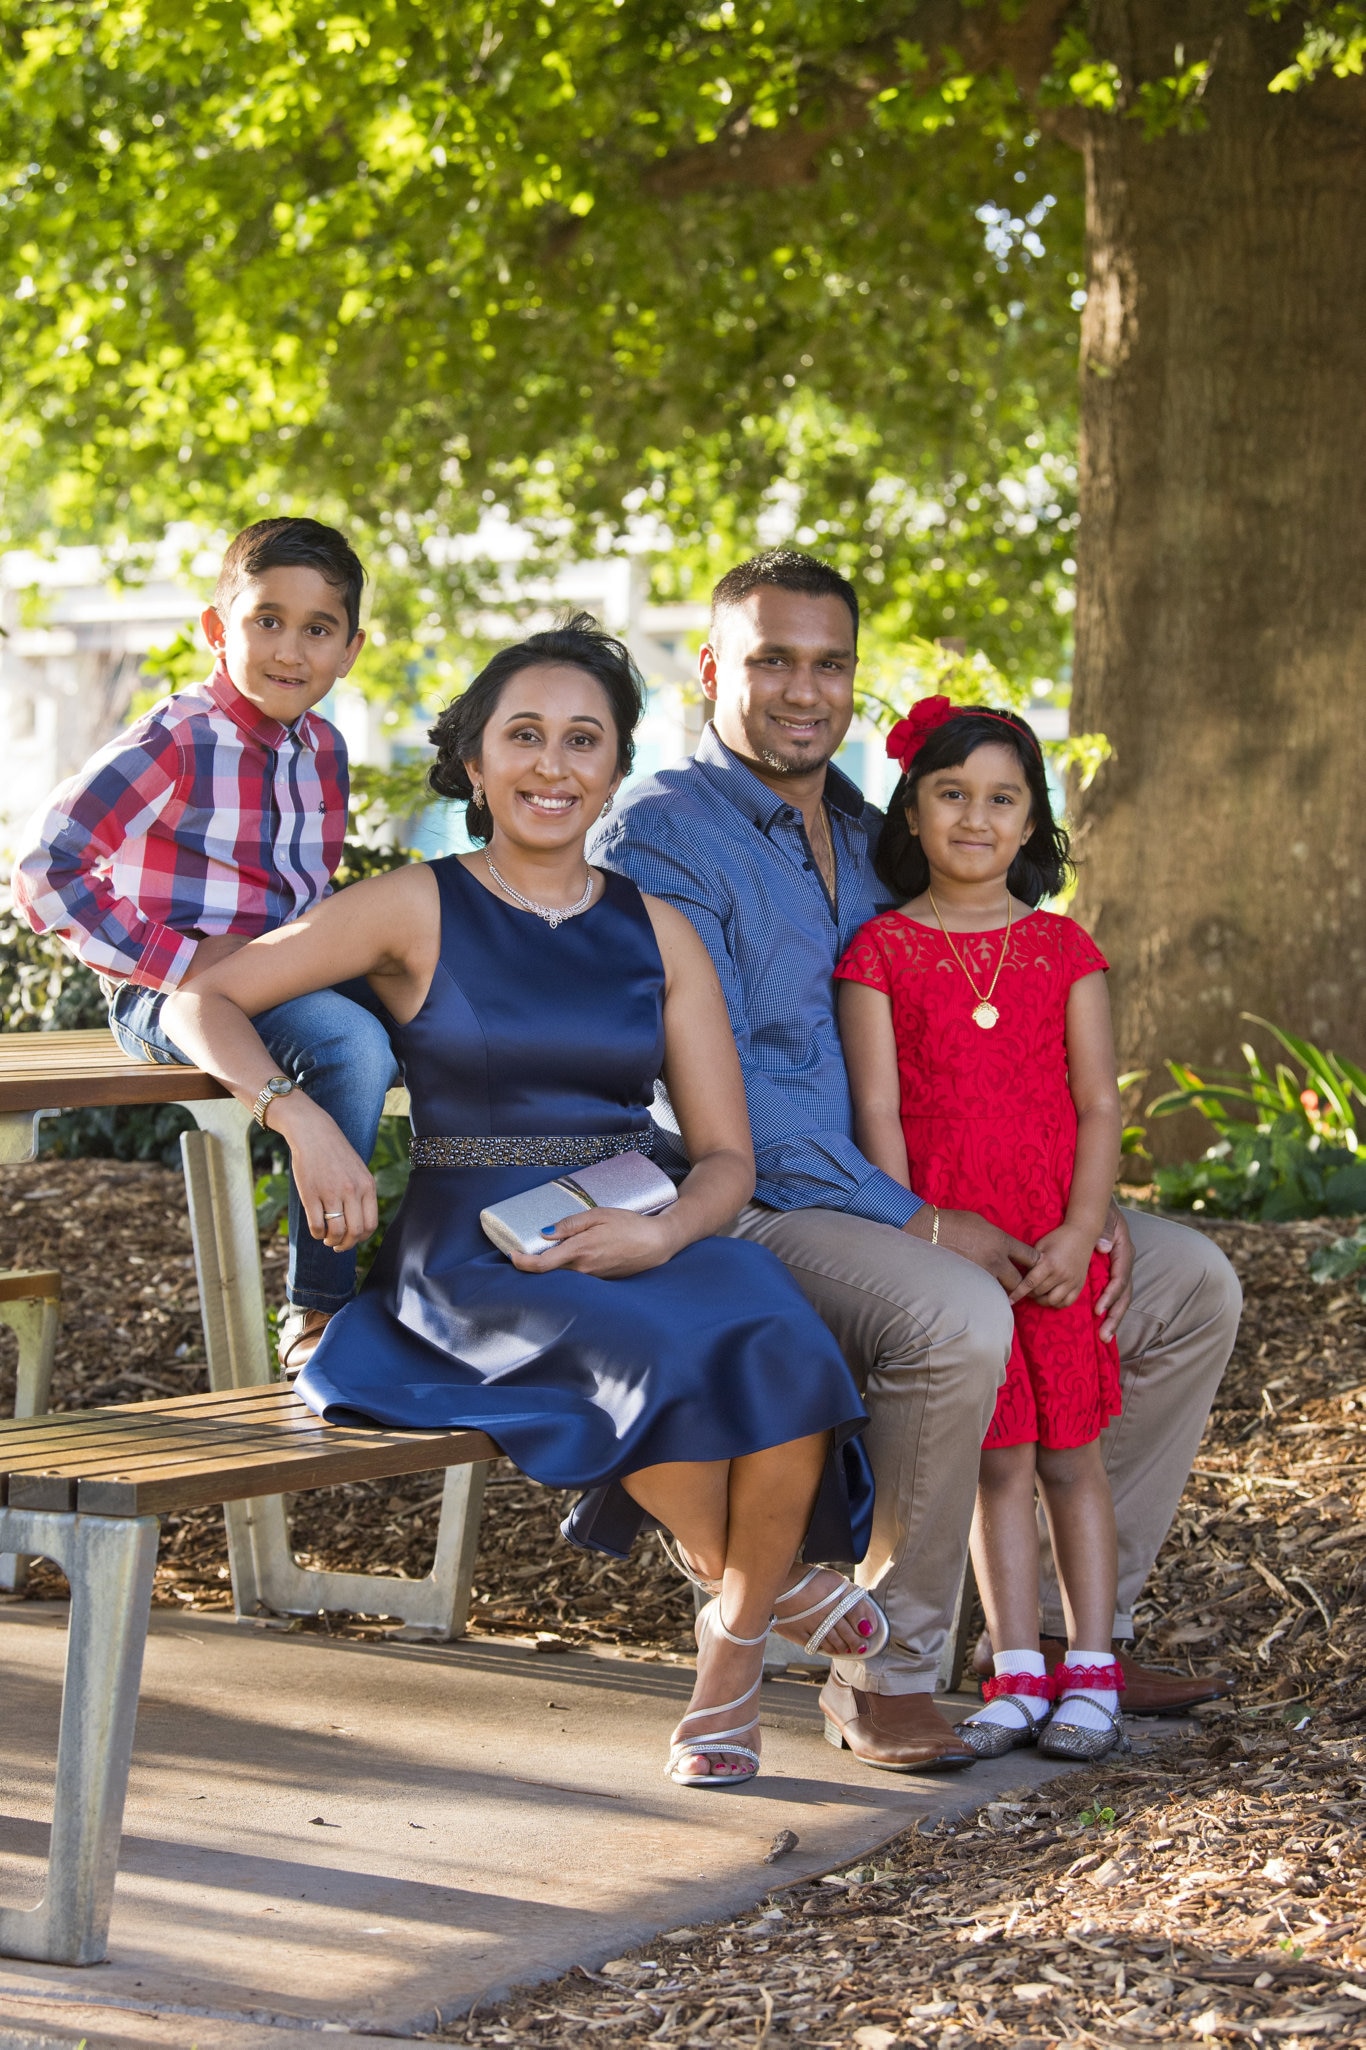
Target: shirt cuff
884, 1201
165, 956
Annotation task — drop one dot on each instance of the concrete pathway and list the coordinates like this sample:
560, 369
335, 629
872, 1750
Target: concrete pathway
364, 1838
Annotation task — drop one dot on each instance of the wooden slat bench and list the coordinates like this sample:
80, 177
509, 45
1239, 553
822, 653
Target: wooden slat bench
44, 1073
85, 1489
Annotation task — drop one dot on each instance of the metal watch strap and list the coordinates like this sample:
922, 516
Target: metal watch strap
268, 1095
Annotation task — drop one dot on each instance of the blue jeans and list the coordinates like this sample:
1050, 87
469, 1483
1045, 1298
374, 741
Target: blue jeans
332, 1042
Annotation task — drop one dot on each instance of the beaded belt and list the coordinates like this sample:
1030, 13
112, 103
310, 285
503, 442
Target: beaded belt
573, 1150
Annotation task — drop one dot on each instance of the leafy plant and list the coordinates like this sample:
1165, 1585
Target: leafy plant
1341, 1260
1103, 1818
1288, 1140
42, 987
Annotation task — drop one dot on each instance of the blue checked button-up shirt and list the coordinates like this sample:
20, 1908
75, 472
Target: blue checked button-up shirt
712, 839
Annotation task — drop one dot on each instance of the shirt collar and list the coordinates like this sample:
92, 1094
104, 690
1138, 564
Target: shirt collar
727, 774
272, 733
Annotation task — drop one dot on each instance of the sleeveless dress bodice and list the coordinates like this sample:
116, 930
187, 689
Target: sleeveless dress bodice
532, 1033
528, 1031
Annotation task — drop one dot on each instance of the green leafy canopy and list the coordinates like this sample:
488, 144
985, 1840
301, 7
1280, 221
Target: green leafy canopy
695, 274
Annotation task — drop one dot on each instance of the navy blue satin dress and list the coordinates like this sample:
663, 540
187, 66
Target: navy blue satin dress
529, 1031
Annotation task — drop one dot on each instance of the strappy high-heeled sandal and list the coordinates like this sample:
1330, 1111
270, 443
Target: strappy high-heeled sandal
846, 1596
674, 1553
717, 1743
844, 1593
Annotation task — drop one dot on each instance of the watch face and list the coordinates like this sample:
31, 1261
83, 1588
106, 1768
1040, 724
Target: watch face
279, 1085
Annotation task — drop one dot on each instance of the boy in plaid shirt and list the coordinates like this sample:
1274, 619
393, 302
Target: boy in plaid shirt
218, 816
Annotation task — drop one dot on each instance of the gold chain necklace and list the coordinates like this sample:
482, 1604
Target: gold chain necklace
829, 839
984, 1011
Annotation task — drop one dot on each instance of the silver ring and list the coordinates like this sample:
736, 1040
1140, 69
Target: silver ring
334, 1213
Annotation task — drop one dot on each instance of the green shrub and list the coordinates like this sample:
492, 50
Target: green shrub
1287, 1144
1340, 1261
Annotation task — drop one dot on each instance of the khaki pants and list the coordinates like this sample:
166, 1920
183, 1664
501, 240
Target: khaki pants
927, 1334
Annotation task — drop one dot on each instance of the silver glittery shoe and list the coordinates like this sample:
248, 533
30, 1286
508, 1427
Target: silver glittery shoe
993, 1740
1069, 1740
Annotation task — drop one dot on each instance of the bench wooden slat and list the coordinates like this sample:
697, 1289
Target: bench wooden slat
97, 1436
296, 1471
228, 1399
30, 1286
32, 1443
114, 1451
84, 1070
186, 1451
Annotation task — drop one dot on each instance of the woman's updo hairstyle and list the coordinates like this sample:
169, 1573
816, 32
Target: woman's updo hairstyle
458, 735
1041, 867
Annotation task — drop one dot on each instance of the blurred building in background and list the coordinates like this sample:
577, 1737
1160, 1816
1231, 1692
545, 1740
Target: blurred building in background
74, 639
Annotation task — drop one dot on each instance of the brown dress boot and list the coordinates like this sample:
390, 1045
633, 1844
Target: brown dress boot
895, 1732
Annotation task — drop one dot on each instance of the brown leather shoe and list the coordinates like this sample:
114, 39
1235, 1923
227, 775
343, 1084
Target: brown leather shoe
896, 1732
299, 1332
1147, 1689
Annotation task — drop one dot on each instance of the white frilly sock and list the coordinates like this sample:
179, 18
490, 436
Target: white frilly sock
1082, 1707
1005, 1712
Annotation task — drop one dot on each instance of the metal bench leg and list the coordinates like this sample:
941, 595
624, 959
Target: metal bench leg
109, 1562
221, 1194
265, 1574
33, 1320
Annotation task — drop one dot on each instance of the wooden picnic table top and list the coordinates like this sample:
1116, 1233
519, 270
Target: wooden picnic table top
86, 1070
147, 1458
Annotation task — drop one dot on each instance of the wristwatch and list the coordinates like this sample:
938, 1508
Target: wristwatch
278, 1085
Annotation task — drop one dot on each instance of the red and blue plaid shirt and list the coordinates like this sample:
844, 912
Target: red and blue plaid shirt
206, 816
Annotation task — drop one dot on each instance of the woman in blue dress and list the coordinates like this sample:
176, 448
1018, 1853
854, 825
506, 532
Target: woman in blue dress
674, 1375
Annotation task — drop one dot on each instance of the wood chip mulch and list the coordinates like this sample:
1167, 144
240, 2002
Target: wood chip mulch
1207, 1890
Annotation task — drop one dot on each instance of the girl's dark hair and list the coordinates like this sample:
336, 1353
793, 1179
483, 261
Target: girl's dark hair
1042, 865
459, 733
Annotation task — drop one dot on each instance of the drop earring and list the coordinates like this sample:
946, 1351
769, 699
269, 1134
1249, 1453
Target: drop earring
606, 808
477, 792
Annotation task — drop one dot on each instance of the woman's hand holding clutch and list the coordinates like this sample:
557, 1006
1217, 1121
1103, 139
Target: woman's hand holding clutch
608, 1243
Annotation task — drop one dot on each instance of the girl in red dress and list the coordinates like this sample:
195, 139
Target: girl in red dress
977, 1034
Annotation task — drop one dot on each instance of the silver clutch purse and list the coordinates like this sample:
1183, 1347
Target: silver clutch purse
628, 1181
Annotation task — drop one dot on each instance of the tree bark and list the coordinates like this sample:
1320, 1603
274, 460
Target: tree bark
1221, 608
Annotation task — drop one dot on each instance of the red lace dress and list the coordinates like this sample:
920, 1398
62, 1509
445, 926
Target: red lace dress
990, 1126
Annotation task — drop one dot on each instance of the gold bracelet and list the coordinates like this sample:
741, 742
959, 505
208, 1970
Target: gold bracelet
934, 1228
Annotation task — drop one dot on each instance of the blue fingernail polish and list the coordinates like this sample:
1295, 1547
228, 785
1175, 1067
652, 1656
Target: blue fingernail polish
547, 1231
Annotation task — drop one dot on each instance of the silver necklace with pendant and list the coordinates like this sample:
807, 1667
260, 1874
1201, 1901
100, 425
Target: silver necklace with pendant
553, 914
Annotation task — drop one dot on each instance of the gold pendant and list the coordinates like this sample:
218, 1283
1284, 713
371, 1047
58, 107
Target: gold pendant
986, 1015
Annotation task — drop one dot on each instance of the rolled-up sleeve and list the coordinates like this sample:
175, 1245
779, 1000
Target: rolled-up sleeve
61, 879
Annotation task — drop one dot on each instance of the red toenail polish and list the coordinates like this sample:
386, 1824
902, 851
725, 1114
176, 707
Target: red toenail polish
865, 1628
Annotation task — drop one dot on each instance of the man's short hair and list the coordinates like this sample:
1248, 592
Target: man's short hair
292, 544
787, 569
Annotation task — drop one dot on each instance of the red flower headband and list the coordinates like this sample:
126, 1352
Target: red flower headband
909, 735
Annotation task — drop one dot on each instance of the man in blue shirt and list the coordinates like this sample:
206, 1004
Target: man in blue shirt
765, 846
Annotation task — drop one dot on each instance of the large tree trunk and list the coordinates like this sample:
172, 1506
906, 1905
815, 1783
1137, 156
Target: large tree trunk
1221, 614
